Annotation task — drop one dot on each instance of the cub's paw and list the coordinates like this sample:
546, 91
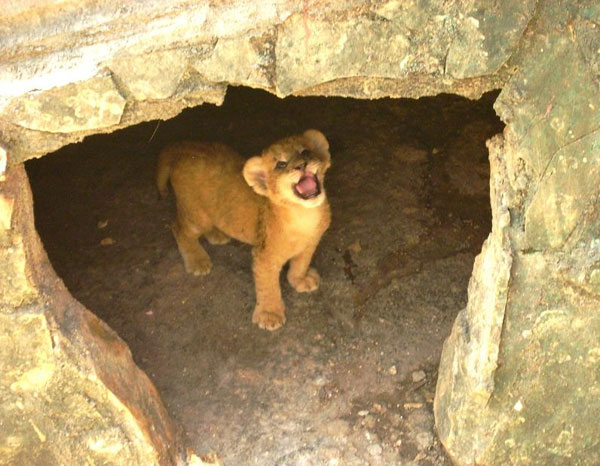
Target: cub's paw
310, 282
268, 320
198, 267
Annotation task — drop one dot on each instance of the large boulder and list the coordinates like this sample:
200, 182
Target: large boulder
70, 392
520, 374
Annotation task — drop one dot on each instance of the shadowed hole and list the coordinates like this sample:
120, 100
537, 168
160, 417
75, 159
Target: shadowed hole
353, 371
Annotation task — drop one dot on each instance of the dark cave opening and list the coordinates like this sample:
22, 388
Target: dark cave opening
351, 375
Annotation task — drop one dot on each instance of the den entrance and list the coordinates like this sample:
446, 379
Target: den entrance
350, 378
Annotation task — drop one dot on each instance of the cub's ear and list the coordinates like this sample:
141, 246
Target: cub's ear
256, 175
316, 141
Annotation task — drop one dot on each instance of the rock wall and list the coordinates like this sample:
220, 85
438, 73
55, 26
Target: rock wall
518, 378
520, 374
93, 66
69, 390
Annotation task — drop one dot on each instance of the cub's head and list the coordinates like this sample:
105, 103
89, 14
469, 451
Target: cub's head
292, 170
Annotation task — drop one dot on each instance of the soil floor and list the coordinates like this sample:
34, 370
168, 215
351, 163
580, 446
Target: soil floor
350, 378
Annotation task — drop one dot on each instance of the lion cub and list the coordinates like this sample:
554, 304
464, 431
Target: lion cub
275, 201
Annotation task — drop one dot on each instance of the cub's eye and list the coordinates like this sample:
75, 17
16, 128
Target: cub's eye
281, 164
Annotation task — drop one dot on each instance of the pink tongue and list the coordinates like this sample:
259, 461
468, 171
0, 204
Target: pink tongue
307, 184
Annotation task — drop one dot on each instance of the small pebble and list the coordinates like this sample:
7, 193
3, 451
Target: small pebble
413, 405
518, 406
107, 242
363, 412
424, 440
378, 408
418, 376
375, 450
392, 370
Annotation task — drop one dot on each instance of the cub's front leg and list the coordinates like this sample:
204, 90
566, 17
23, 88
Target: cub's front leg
302, 278
269, 313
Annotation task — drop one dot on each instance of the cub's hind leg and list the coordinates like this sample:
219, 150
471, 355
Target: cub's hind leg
187, 233
216, 236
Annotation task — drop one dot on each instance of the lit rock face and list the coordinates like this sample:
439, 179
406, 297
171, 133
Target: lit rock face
69, 390
518, 380
519, 376
93, 104
88, 66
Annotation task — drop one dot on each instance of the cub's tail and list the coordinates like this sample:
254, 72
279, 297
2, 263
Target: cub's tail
163, 170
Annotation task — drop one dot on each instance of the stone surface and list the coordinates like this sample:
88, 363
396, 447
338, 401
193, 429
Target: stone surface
76, 107
239, 60
520, 385
311, 51
554, 114
151, 76
3, 163
450, 40
91, 66
579, 263
19, 268
486, 36
570, 181
470, 356
546, 401
69, 390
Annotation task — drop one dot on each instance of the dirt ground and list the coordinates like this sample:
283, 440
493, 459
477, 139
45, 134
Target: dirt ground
350, 378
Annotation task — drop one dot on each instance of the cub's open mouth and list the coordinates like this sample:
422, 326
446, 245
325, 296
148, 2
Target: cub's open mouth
307, 187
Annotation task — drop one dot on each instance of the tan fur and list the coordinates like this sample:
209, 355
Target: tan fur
221, 196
